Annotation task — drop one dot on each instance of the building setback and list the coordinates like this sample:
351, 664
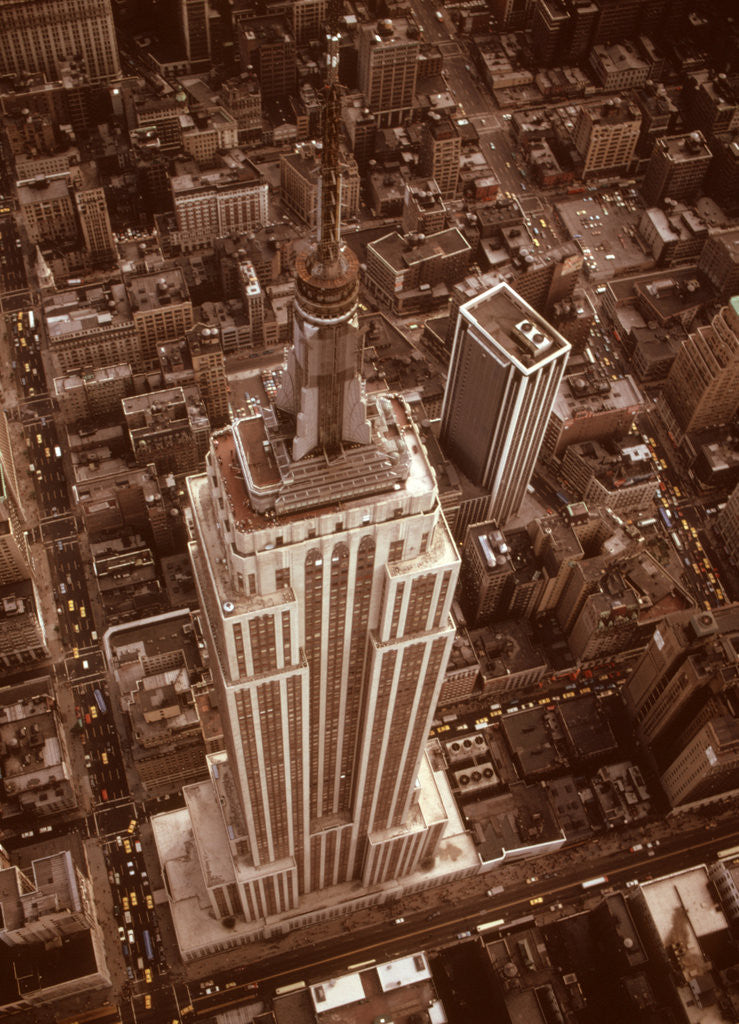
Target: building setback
325, 572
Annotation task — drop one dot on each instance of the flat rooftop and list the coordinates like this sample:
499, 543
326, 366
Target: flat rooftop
221, 178
74, 311
508, 325
148, 292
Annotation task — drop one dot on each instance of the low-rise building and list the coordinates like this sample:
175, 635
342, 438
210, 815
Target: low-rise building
590, 407
169, 428
22, 631
94, 394
164, 688
615, 474
126, 501
167, 748
727, 524
161, 308
423, 207
127, 577
412, 273
48, 211
36, 775
673, 235
618, 67
52, 938
605, 136
677, 168
299, 175
90, 326
206, 133
719, 262
219, 202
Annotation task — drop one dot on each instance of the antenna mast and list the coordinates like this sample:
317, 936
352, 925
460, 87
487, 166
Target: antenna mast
329, 191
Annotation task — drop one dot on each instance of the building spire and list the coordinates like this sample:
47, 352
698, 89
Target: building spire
329, 191
321, 385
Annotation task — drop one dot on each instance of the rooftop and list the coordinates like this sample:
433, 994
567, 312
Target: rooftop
400, 252
683, 148
149, 292
220, 178
507, 324
97, 307
32, 755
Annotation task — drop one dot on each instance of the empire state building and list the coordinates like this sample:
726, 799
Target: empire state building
325, 573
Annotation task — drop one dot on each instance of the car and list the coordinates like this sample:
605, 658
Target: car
556, 906
399, 920
637, 847
131, 868
121, 933
88, 761
131, 937
632, 883
536, 901
464, 935
148, 976
532, 879
137, 845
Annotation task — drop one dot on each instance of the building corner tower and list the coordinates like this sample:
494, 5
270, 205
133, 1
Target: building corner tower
326, 572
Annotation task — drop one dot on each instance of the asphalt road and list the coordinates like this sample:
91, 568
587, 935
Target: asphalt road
432, 920
148, 992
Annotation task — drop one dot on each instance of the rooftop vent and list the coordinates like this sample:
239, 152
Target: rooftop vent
533, 339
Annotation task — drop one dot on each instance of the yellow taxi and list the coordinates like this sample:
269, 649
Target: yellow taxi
148, 976
134, 900
124, 903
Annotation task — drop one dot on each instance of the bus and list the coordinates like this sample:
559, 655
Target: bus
100, 701
147, 946
284, 989
591, 882
676, 540
733, 851
489, 925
